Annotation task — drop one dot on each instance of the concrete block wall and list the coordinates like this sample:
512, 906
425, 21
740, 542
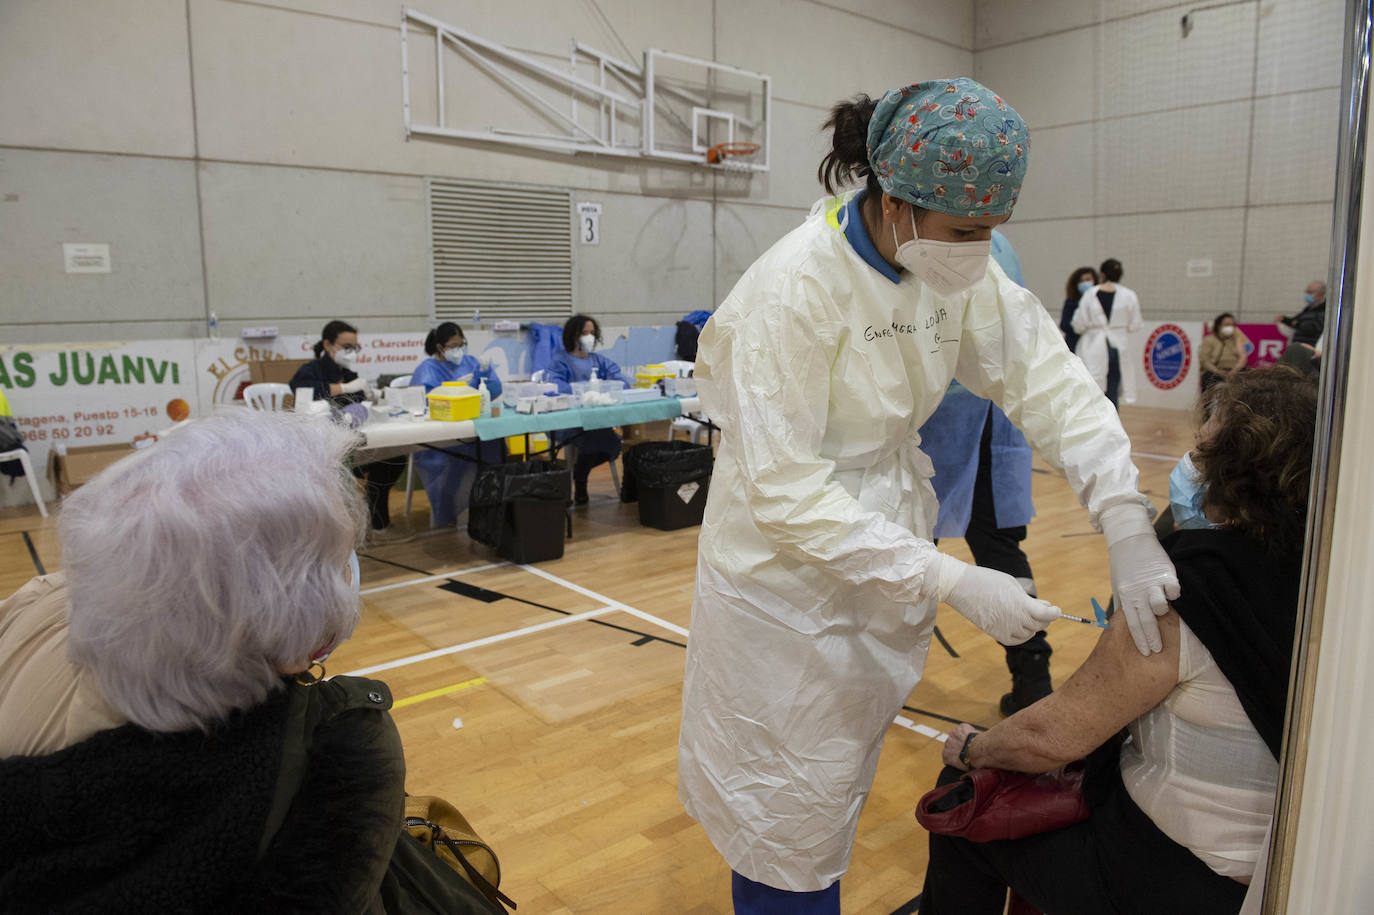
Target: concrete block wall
1158, 149
248, 158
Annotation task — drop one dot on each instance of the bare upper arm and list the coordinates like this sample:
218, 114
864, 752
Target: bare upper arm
1112, 688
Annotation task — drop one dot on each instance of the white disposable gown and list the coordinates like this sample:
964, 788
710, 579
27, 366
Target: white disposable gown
812, 612
1090, 322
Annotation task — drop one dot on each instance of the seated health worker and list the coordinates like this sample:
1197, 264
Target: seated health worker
1180, 811
446, 478
576, 362
332, 378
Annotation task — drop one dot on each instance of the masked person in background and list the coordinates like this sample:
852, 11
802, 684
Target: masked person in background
1079, 282
1222, 353
332, 378
1106, 314
577, 362
816, 579
446, 478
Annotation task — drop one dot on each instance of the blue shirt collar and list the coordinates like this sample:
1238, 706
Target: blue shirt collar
863, 245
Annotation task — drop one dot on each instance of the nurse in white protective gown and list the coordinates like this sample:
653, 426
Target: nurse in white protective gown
816, 580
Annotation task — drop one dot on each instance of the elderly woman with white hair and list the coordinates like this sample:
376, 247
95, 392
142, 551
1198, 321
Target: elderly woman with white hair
153, 694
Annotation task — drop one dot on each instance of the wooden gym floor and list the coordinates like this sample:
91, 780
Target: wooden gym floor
544, 701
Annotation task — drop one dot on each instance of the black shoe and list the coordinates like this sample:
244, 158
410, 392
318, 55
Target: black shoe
580, 492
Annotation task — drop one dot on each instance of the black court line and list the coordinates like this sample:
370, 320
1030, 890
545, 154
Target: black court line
487, 596
941, 636
33, 554
908, 908
936, 715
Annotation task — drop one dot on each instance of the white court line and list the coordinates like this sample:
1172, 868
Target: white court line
478, 643
923, 730
1157, 457
420, 581
647, 617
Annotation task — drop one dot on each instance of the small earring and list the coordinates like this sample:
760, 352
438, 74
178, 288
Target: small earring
308, 677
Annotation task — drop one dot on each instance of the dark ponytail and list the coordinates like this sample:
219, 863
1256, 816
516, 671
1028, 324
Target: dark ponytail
848, 157
437, 337
331, 333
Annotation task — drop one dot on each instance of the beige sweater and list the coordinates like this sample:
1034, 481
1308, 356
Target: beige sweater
46, 702
1219, 355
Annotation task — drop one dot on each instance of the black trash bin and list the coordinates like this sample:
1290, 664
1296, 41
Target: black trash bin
520, 509
670, 480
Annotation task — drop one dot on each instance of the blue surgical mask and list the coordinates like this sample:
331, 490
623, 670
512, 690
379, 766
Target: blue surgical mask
455, 354
1309, 298
1084, 286
1185, 496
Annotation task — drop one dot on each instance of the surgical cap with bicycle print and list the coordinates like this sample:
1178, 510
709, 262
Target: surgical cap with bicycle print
949, 145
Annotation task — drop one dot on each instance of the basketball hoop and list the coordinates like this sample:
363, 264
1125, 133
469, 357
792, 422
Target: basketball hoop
717, 154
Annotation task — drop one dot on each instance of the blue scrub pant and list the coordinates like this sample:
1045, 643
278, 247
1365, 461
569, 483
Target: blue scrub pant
759, 899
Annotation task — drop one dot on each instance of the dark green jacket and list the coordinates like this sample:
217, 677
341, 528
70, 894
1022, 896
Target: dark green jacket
128, 820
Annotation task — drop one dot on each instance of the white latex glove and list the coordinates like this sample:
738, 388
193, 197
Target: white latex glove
1143, 578
991, 600
353, 387
484, 364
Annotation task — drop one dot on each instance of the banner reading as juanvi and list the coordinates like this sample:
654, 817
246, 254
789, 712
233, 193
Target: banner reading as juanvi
78, 394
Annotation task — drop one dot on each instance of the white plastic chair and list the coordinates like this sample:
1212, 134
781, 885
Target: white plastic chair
22, 456
269, 397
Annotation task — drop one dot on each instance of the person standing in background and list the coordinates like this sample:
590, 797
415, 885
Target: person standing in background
1080, 281
983, 483
1307, 325
1106, 314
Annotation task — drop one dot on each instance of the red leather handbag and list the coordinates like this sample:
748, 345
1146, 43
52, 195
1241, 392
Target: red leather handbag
989, 804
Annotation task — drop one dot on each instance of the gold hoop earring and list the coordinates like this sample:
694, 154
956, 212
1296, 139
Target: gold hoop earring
308, 677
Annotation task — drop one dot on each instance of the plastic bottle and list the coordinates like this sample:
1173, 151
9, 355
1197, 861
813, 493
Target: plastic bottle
484, 406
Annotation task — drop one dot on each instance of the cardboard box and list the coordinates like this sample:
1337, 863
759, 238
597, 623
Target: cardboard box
280, 371
658, 431
79, 465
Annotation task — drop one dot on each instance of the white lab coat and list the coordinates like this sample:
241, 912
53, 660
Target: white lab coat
1095, 332
812, 612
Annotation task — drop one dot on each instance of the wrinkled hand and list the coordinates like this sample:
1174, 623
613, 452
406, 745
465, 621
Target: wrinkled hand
997, 604
1144, 581
954, 743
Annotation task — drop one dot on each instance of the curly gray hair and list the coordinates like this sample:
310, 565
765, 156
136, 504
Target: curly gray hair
200, 569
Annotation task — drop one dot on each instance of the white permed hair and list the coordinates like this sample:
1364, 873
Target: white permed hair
201, 567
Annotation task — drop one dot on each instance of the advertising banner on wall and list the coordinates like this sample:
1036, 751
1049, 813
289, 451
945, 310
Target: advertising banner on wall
76, 394
1163, 356
93, 394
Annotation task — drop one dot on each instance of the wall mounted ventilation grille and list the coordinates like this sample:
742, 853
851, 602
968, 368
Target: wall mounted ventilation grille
501, 252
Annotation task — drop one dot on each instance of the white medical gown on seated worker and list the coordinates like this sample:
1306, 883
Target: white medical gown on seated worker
812, 612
